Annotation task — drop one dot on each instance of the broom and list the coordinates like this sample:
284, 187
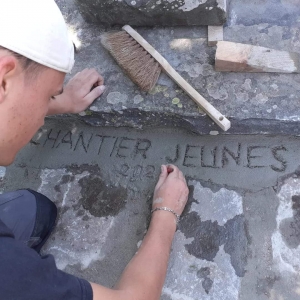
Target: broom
143, 64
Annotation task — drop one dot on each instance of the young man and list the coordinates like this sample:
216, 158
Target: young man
35, 55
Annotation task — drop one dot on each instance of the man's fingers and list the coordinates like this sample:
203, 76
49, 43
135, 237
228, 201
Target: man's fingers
93, 77
181, 176
84, 72
162, 177
89, 78
81, 73
169, 169
94, 94
175, 172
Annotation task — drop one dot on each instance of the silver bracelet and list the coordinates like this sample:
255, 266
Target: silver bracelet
167, 209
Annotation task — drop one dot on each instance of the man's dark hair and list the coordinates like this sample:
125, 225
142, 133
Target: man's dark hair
26, 63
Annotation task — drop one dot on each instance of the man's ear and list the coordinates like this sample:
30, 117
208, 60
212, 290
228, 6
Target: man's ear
8, 66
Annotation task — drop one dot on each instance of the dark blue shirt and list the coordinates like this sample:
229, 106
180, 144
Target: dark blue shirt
25, 275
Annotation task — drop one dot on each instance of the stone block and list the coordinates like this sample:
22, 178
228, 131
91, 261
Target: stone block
154, 12
255, 103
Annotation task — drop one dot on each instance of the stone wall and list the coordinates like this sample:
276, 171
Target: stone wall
154, 12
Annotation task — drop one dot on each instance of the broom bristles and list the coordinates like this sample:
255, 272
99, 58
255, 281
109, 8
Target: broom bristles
138, 64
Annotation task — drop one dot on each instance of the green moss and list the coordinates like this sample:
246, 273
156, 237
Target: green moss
193, 267
176, 101
88, 112
158, 89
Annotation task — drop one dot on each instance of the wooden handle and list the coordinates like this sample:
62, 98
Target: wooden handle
218, 118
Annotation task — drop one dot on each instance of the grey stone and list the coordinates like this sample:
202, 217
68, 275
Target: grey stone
255, 103
154, 12
237, 238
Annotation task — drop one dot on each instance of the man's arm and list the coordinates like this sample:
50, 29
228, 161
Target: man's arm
78, 94
144, 276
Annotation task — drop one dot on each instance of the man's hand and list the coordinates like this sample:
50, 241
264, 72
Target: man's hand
144, 276
171, 190
79, 93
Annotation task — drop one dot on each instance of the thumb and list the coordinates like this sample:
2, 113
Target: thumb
163, 176
95, 93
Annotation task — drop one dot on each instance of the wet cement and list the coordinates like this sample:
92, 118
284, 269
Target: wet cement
239, 234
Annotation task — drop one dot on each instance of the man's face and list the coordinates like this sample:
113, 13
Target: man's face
24, 103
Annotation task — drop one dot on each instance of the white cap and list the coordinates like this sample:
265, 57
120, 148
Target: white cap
36, 29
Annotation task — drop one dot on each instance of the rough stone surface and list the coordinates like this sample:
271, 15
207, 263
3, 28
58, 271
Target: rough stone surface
238, 238
154, 12
255, 103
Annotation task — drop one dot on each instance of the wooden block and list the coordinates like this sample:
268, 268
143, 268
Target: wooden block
215, 34
235, 57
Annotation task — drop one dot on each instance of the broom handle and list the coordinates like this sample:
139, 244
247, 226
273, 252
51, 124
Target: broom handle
218, 118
